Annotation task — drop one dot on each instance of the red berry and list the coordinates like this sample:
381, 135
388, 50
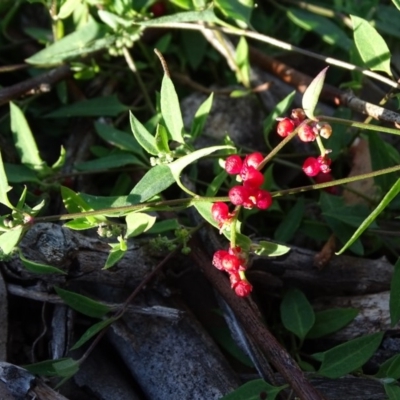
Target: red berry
158, 9
306, 133
237, 252
311, 166
323, 178
285, 127
220, 211
238, 195
324, 164
230, 263
251, 177
253, 160
263, 199
218, 258
233, 164
243, 288
234, 278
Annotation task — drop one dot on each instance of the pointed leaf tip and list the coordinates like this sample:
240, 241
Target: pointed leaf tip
311, 95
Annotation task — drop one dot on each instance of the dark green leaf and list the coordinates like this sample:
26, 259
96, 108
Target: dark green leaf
330, 321
143, 136
216, 183
322, 26
39, 268
4, 187
164, 226
97, 107
296, 313
161, 139
236, 10
288, 227
83, 304
91, 37
393, 192
189, 16
115, 160
153, 182
171, 110
394, 302
201, 116
117, 138
93, 330
63, 367
100, 202
279, 110
349, 356
390, 368
24, 140
255, 390
311, 95
371, 46
194, 46
393, 391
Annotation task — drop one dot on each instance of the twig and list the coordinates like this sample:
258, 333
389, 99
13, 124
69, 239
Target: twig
276, 354
37, 84
163, 62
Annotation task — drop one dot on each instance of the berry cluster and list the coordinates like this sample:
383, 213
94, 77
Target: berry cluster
234, 263
307, 132
249, 194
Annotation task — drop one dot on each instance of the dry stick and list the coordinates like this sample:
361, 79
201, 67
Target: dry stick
275, 353
339, 97
163, 62
39, 83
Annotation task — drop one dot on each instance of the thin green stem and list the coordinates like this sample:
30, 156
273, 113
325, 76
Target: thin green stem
359, 125
132, 67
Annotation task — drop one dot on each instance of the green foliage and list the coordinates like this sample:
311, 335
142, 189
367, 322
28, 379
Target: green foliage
253, 390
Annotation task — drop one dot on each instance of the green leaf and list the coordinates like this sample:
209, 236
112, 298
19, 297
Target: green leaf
330, 321
24, 140
311, 95
324, 27
117, 138
189, 16
137, 223
91, 37
59, 163
39, 268
9, 239
279, 110
108, 106
292, 221
371, 46
349, 356
178, 165
143, 136
116, 253
4, 187
390, 368
393, 192
67, 8
93, 330
393, 391
115, 160
194, 46
170, 110
83, 304
63, 367
396, 3
270, 249
164, 226
242, 62
238, 10
216, 183
99, 202
80, 224
161, 139
394, 302
296, 313
254, 390
153, 182
201, 116
383, 155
